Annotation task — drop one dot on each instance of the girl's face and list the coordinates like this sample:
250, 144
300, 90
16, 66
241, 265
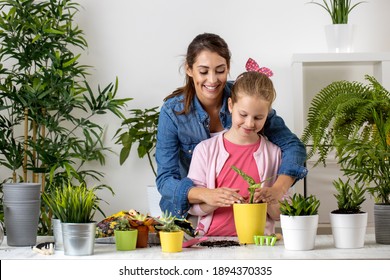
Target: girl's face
249, 114
209, 73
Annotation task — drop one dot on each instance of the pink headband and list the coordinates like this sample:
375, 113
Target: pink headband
252, 65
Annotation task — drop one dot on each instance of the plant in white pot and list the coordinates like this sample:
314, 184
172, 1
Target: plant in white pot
141, 128
348, 222
299, 221
75, 206
339, 34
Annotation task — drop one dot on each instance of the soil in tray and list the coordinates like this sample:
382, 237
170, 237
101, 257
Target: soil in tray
219, 243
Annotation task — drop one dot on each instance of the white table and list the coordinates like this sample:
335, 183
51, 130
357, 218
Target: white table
324, 250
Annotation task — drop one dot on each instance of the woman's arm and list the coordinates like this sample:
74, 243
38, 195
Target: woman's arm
293, 157
173, 189
293, 150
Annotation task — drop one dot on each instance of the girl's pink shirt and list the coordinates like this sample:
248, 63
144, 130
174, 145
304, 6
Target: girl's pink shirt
222, 223
207, 161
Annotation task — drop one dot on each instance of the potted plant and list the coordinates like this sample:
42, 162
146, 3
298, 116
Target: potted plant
368, 161
75, 206
44, 93
348, 222
339, 33
171, 232
353, 119
141, 128
144, 224
249, 218
299, 221
125, 236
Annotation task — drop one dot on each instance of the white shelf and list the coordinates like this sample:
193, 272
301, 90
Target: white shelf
310, 73
380, 63
340, 57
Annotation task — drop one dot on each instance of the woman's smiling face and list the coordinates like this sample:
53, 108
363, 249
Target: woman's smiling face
209, 74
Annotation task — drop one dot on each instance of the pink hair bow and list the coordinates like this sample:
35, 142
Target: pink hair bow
252, 65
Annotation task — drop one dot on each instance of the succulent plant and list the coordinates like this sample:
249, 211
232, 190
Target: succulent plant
298, 205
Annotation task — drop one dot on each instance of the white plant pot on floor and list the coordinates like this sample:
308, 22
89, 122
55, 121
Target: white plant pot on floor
154, 198
348, 230
299, 232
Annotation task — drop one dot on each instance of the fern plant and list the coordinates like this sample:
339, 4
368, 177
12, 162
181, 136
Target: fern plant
369, 161
349, 197
343, 111
298, 205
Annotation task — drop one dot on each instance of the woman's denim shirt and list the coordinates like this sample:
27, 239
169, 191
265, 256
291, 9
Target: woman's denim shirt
178, 135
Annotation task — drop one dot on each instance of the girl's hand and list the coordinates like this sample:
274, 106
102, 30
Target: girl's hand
221, 197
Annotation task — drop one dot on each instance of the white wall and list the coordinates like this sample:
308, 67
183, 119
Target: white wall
143, 42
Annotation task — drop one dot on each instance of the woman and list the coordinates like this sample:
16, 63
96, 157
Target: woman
198, 111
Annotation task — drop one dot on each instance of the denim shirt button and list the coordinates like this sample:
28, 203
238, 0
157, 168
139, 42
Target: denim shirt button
190, 151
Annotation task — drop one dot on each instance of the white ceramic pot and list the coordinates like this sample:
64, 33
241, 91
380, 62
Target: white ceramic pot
299, 232
154, 198
348, 230
339, 37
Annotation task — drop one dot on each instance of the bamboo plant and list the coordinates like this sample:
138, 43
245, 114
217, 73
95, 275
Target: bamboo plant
48, 110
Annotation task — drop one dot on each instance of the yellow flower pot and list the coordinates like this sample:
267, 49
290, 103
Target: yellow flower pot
171, 242
250, 220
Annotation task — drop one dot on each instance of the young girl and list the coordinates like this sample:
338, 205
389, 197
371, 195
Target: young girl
243, 146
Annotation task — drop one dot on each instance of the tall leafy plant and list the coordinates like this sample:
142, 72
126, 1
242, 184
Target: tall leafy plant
48, 126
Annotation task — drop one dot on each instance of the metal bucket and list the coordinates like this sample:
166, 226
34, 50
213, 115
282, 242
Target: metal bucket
57, 233
78, 238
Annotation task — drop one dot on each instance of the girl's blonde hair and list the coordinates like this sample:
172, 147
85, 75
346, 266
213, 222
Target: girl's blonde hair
254, 84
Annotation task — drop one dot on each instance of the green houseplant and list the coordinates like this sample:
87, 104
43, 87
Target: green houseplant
299, 221
125, 236
354, 120
338, 10
47, 108
171, 232
75, 207
339, 34
249, 218
348, 222
140, 128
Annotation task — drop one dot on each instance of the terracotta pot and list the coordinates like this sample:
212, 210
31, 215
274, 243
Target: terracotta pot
143, 236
